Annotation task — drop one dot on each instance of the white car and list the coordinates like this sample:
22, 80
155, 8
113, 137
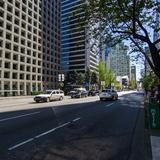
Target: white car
50, 95
108, 94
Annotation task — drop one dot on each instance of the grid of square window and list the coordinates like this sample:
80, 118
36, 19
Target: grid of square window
22, 57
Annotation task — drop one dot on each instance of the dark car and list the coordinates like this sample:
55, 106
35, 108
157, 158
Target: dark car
79, 94
93, 92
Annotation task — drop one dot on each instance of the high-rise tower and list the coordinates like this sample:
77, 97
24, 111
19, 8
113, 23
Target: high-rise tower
29, 45
76, 51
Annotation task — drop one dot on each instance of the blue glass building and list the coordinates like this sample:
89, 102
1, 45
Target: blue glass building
75, 52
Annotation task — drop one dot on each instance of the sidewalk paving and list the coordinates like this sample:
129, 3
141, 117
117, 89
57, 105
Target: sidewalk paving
154, 138
155, 143
16, 97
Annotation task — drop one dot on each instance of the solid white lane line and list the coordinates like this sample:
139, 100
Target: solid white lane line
76, 119
23, 115
20, 144
109, 104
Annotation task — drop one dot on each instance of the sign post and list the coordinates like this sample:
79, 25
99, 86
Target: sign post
60, 77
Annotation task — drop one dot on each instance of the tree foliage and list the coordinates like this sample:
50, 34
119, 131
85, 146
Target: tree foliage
75, 77
149, 82
132, 84
88, 75
106, 75
94, 78
118, 20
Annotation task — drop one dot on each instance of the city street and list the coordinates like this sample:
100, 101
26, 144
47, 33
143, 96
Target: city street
72, 129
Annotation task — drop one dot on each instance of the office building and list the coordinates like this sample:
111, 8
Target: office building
29, 45
77, 53
118, 60
133, 73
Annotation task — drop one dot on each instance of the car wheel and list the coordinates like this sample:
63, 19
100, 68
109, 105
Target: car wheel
37, 101
48, 99
61, 98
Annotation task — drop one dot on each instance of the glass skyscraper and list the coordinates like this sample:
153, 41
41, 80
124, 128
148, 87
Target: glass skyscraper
75, 51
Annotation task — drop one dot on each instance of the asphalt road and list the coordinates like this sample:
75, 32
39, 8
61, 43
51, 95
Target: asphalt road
79, 129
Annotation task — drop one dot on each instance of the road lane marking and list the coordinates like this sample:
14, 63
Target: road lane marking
42, 134
77, 119
52, 130
23, 115
20, 144
109, 104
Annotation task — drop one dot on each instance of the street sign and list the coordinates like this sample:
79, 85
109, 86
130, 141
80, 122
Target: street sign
60, 77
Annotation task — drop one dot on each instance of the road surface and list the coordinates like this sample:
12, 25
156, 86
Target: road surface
73, 129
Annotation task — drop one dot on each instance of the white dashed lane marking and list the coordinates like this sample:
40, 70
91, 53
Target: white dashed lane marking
42, 134
20, 116
109, 104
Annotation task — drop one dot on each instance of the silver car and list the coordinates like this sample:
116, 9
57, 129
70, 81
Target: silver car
108, 94
50, 95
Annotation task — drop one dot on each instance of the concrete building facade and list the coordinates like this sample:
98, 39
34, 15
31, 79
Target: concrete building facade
29, 45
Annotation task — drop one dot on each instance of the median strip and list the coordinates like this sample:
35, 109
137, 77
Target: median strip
42, 134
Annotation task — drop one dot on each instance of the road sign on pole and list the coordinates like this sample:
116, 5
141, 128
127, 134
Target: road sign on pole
60, 77
102, 83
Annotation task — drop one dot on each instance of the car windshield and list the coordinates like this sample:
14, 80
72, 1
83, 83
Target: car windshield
106, 90
78, 91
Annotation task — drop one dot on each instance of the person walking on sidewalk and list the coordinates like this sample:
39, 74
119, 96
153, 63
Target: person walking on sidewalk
158, 95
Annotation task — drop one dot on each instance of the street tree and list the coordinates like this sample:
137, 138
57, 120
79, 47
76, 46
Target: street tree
132, 84
106, 75
72, 77
102, 71
149, 82
88, 77
80, 78
94, 78
110, 78
117, 20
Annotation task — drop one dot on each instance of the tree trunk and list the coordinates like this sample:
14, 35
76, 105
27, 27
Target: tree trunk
155, 58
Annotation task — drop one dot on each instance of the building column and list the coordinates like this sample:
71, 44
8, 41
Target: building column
10, 88
31, 87
42, 86
2, 88
25, 89
18, 88
36, 86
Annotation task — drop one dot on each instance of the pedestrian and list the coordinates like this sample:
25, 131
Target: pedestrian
158, 96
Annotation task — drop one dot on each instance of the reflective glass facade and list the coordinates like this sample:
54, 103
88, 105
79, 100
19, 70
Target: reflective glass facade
72, 36
76, 52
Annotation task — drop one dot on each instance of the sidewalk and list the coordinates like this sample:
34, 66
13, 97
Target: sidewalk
16, 97
155, 144
154, 138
